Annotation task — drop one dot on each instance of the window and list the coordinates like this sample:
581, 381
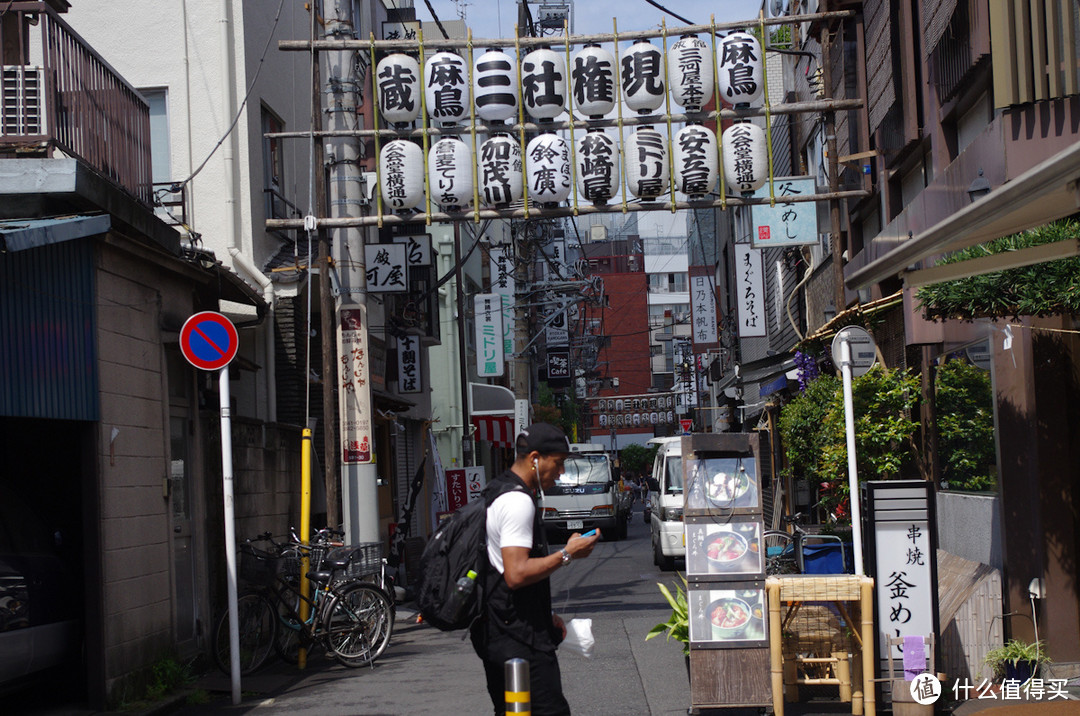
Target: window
273, 166
160, 159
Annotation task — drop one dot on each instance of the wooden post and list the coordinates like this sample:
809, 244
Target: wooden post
866, 609
776, 647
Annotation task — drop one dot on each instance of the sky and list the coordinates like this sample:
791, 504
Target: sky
496, 18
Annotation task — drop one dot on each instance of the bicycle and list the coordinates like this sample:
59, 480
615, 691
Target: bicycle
784, 552
350, 618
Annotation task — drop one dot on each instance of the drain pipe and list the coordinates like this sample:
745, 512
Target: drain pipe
232, 206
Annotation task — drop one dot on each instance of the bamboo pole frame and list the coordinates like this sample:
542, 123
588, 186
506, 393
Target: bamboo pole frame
431, 131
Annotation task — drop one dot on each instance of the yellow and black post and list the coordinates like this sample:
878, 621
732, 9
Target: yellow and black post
518, 696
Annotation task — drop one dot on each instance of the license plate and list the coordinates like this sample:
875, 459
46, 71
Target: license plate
575, 524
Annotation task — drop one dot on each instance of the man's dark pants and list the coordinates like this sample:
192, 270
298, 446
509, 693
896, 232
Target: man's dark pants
545, 680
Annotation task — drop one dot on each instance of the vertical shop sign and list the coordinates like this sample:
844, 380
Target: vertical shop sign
408, 352
703, 313
750, 287
488, 310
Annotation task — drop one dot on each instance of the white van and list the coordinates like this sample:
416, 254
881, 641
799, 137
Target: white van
587, 495
666, 518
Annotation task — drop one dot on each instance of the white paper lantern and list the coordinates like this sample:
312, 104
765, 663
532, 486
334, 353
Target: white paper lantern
593, 81
543, 83
695, 160
450, 174
690, 73
746, 157
446, 88
547, 162
643, 77
495, 86
401, 174
740, 68
597, 166
500, 170
646, 163
397, 78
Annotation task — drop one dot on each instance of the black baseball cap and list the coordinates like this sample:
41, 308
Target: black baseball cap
544, 438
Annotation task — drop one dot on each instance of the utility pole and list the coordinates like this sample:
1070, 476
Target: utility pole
466, 424
328, 315
836, 246
359, 475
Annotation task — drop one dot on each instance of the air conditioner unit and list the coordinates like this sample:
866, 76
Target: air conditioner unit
23, 89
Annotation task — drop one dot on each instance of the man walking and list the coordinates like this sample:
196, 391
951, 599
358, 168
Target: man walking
518, 621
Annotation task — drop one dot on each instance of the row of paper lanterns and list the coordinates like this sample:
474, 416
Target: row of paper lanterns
544, 85
618, 421
501, 169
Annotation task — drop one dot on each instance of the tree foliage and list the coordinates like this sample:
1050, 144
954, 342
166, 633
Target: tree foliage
1044, 289
965, 424
637, 459
813, 431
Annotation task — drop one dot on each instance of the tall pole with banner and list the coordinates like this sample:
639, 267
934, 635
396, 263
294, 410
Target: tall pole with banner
209, 341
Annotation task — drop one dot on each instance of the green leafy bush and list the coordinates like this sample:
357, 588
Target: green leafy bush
1044, 289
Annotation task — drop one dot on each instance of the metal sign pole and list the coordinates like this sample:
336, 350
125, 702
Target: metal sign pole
230, 531
853, 473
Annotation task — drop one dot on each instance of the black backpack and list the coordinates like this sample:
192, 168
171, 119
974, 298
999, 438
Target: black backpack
457, 546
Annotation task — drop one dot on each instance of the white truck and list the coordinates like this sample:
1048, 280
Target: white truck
666, 492
587, 495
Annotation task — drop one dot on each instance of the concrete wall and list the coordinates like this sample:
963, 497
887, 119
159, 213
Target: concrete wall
969, 526
135, 533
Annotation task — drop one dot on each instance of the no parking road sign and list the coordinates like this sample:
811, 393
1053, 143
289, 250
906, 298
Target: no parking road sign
209, 341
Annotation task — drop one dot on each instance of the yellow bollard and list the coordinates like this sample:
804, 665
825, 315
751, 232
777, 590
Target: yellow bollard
305, 533
518, 696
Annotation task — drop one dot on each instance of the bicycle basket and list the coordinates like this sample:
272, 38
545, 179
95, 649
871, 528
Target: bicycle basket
364, 559
257, 566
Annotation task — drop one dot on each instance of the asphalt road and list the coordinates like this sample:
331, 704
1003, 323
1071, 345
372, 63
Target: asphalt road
425, 671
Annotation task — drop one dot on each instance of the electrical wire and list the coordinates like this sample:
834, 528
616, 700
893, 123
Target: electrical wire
669, 12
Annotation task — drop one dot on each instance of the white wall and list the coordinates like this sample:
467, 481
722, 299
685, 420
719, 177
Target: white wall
178, 46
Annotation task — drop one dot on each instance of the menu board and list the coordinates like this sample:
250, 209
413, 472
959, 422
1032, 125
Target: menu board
729, 549
725, 571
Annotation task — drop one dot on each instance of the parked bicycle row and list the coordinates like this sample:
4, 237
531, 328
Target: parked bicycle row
346, 606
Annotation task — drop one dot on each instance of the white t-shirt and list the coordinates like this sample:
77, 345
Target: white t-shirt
509, 524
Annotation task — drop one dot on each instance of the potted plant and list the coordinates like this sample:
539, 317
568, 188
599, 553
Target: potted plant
678, 624
1017, 659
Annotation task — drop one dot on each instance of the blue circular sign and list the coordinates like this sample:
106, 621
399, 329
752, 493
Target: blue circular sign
209, 340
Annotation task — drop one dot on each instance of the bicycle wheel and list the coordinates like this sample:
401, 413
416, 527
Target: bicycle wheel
358, 623
289, 628
258, 629
778, 549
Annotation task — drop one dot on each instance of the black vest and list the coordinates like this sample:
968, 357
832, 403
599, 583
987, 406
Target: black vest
523, 614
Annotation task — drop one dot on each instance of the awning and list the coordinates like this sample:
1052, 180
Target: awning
495, 429
1044, 193
21, 234
487, 399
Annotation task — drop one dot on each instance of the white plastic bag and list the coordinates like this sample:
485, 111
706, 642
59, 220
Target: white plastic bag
579, 638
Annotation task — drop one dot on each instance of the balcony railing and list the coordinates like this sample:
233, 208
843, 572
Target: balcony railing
60, 95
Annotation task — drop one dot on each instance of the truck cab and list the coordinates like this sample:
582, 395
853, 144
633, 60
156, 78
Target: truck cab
668, 501
587, 495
